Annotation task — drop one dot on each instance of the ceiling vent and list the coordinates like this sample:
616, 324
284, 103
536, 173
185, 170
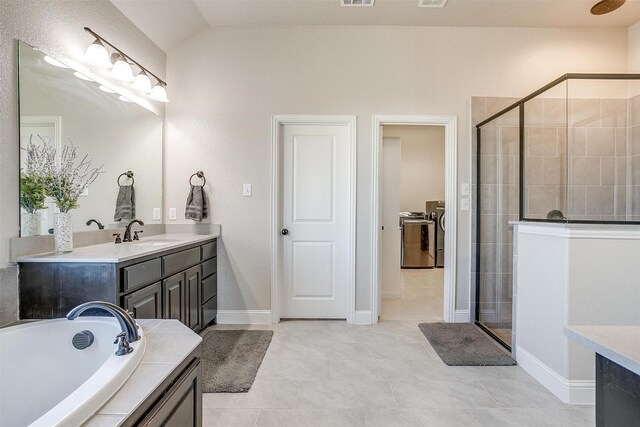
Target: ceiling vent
357, 2
431, 3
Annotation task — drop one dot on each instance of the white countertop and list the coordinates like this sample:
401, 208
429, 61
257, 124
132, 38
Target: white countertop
114, 253
620, 344
169, 342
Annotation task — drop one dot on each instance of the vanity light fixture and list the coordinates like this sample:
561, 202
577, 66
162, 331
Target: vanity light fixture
122, 69
142, 82
159, 93
98, 55
54, 62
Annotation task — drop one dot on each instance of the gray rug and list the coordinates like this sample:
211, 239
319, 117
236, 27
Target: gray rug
463, 344
231, 358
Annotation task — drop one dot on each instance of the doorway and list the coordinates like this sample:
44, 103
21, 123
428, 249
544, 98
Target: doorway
412, 217
450, 176
313, 217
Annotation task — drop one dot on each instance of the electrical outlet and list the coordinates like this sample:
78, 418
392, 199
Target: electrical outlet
156, 214
465, 189
246, 190
173, 215
464, 205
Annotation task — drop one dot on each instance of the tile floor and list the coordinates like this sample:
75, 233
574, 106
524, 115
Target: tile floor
421, 297
328, 373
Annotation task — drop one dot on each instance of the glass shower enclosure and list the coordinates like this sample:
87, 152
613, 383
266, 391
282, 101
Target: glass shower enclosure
567, 153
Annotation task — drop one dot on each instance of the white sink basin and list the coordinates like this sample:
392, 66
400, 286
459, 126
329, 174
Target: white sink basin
154, 242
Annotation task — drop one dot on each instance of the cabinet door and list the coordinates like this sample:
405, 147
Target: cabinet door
174, 297
145, 303
181, 406
193, 280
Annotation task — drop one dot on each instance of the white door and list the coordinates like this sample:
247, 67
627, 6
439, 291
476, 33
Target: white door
390, 211
316, 219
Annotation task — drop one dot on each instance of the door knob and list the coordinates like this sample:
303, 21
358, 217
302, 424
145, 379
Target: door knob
284, 232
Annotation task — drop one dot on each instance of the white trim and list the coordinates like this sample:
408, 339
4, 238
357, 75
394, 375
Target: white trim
362, 317
581, 231
276, 122
451, 182
461, 316
569, 391
243, 317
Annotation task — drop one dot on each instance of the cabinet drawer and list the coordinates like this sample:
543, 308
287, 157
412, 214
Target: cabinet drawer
209, 287
209, 250
137, 275
209, 267
209, 310
180, 261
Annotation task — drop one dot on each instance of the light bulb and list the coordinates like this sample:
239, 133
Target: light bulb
159, 93
97, 55
54, 62
121, 68
142, 82
82, 76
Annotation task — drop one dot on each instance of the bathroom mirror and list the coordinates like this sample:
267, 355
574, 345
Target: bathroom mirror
58, 104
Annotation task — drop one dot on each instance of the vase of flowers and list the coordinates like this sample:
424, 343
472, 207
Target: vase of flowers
65, 178
32, 199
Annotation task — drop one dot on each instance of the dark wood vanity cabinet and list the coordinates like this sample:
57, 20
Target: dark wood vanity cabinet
177, 284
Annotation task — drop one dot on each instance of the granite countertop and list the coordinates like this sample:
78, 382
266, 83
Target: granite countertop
169, 342
620, 344
112, 253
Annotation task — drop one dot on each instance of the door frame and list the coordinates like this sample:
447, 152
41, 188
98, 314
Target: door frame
450, 124
277, 142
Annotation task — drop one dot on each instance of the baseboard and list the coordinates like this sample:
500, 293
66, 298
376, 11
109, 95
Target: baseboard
576, 392
362, 317
391, 295
243, 317
461, 316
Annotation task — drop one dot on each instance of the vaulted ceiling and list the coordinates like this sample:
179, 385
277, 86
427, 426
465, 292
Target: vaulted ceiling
170, 22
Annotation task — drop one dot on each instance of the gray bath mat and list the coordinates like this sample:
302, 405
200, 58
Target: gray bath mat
231, 358
463, 344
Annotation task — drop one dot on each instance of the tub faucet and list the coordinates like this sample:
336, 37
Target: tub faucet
127, 231
127, 324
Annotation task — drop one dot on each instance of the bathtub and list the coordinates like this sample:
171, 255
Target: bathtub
45, 381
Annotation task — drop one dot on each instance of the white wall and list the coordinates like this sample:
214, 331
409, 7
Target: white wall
56, 27
226, 83
570, 276
422, 164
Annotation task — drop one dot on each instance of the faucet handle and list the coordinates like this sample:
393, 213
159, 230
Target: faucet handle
123, 344
135, 234
118, 239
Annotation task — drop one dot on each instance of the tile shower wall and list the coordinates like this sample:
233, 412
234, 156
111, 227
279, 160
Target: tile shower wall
588, 168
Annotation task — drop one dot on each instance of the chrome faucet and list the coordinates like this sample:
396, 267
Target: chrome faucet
127, 324
127, 231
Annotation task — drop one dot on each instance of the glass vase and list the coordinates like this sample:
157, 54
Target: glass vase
62, 233
30, 224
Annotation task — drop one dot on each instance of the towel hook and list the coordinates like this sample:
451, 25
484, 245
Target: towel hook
128, 174
199, 174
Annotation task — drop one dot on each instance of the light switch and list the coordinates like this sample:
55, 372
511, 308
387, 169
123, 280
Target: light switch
465, 189
156, 213
246, 190
173, 214
464, 205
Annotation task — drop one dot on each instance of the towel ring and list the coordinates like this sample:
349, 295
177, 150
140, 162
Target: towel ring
199, 174
128, 174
